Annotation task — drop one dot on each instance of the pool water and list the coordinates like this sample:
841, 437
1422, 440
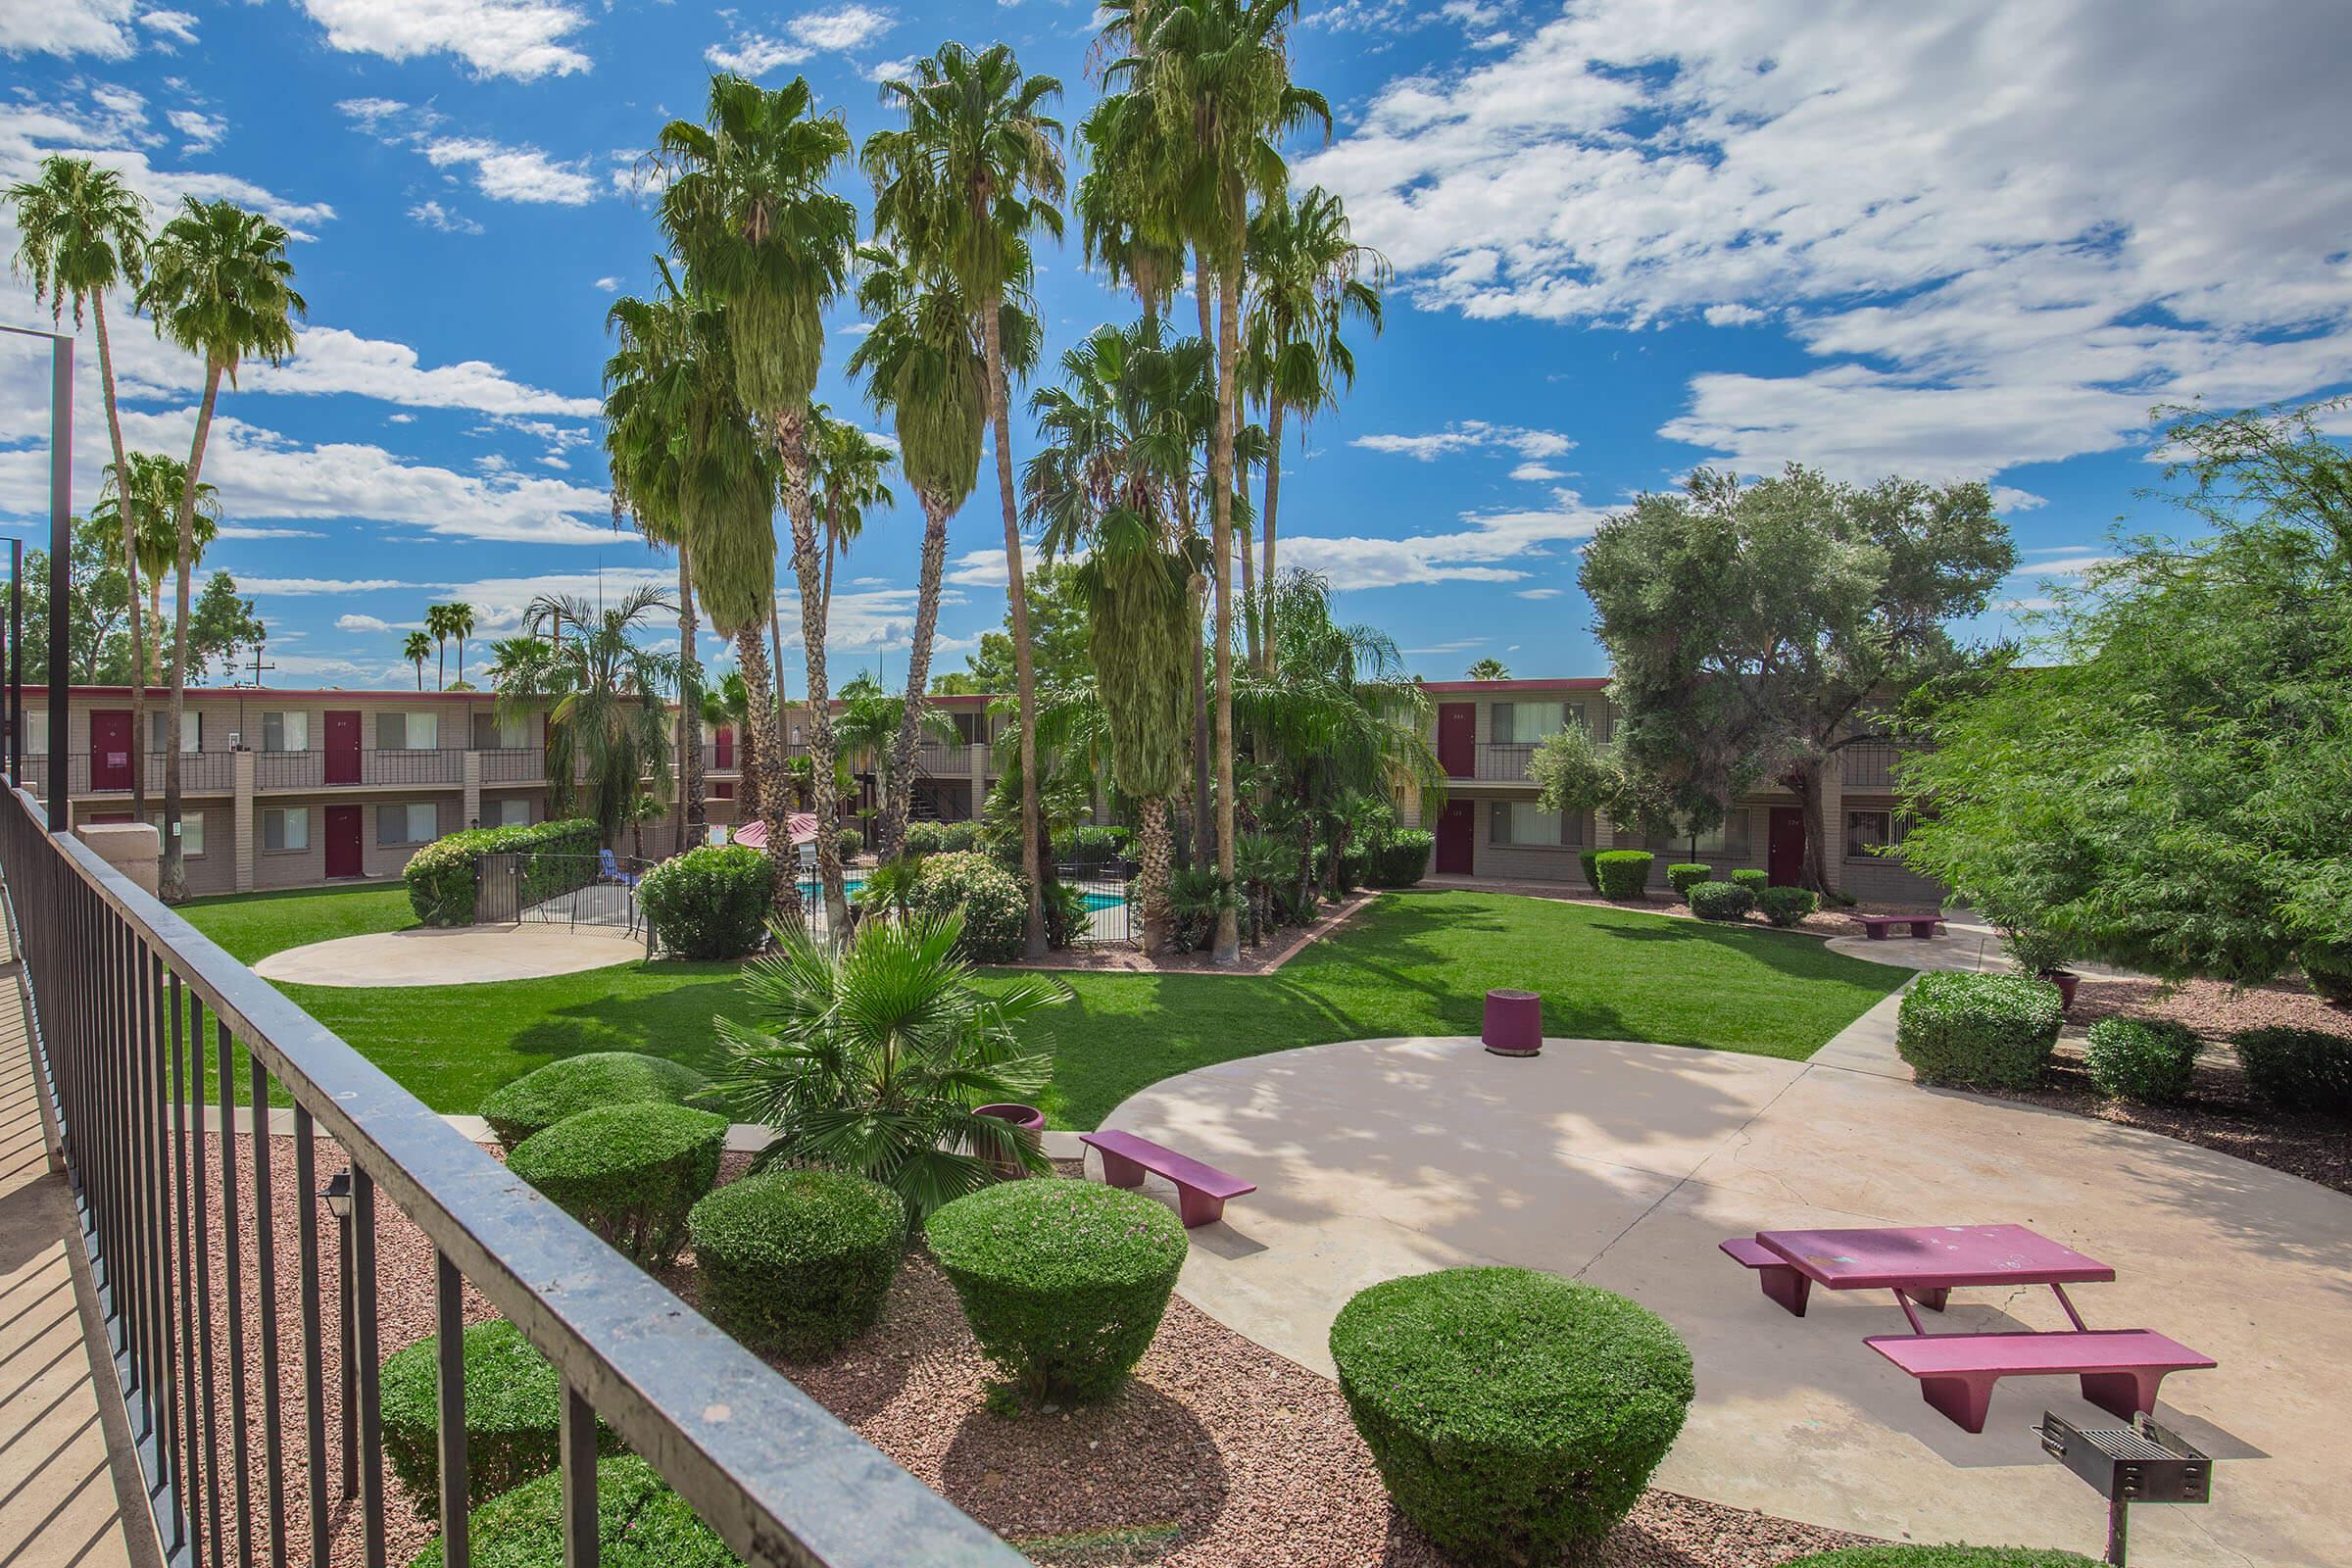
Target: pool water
1094, 900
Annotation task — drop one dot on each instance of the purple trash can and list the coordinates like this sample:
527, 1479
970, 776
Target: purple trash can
1514, 1024
1027, 1120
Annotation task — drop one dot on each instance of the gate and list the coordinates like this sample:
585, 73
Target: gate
497, 896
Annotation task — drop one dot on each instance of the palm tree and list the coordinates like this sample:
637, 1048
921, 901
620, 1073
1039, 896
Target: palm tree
151, 499
1306, 277
1489, 669
461, 626
975, 171
748, 209
1216, 75
81, 231
436, 625
609, 703
417, 650
219, 286
846, 469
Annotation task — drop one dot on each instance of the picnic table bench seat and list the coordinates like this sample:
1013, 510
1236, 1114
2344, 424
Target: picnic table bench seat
1876, 926
2120, 1368
1200, 1190
1787, 1284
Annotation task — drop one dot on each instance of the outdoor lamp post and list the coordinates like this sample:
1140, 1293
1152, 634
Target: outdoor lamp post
337, 1194
60, 554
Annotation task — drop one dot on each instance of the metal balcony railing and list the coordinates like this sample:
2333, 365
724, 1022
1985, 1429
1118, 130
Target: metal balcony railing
1869, 765
157, 1056
289, 771
1503, 761
514, 764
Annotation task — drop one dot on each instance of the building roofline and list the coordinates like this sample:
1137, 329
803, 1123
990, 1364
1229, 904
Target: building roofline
1572, 683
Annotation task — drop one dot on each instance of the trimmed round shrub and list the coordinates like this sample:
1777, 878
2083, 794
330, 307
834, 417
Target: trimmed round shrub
1063, 1282
1953, 1556
2327, 970
2298, 1069
1753, 878
925, 838
995, 908
798, 1260
1588, 862
1786, 907
2130, 1058
1978, 1031
850, 843
514, 1408
627, 1172
1403, 860
569, 1085
1683, 876
1720, 900
712, 901
640, 1523
959, 837
439, 877
1623, 873
1513, 1415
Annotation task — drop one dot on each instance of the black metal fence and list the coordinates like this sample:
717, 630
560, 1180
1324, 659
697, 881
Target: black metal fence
529, 887
159, 1057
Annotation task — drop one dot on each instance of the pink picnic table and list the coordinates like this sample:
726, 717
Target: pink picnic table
1926, 1263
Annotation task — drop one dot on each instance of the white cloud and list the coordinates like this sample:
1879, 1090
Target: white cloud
897, 69
755, 53
849, 27
201, 129
236, 530
176, 26
1537, 593
109, 124
514, 173
1733, 316
309, 586
1470, 435
1537, 471
361, 623
448, 220
520, 38
1496, 546
2008, 498
330, 360
100, 27
608, 284
844, 28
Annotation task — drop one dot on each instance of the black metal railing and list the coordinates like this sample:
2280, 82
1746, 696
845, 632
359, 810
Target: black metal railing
291, 770
514, 764
159, 1057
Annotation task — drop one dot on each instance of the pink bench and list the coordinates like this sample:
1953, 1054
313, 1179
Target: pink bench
2120, 1368
1200, 1190
1876, 926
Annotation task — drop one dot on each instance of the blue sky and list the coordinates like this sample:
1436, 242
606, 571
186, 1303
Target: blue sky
1970, 240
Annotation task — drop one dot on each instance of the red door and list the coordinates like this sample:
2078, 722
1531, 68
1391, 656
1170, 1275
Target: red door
1784, 847
342, 840
725, 748
1457, 739
343, 756
110, 750
1457, 827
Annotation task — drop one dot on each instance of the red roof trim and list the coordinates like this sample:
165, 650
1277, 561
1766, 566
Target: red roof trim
1574, 683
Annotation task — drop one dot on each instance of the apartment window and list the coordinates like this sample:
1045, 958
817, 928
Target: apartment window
1728, 841
408, 732
514, 810
1867, 833
191, 730
1526, 825
492, 733
286, 732
191, 830
418, 822
970, 728
1526, 724
286, 828
37, 732
722, 789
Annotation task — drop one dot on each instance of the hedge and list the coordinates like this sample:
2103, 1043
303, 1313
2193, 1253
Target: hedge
1063, 1282
1978, 1031
712, 901
440, 876
1787, 906
640, 1523
627, 1172
1751, 878
1683, 876
798, 1260
569, 1085
924, 837
1588, 862
2327, 970
1623, 873
850, 842
2298, 1069
1513, 1415
1721, 900
1403, 860
513, 1411
2150, 1061
995, 908
1953, 1556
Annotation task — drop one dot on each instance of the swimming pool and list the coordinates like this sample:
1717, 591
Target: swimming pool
1094, 902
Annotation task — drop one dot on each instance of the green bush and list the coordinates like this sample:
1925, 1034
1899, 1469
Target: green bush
1786, 906
2148, 1062
627, 1172
1683, 876
959, 837
1063, 1282
1720, 900
513, 1407
712, 901
925, 838
640, 1523
1623, 873
569, 1085
1513, 1415
798, 1260
440, 876
1751, 878
1953, 1556
2298, 1069
994, 906
1978, 1031
850, 843
2327, 970
1403, 860
1589, 861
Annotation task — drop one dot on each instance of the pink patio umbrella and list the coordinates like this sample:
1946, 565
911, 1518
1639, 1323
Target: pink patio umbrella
800, 825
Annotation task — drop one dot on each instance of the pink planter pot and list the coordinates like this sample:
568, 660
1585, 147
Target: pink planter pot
2066, 980
1028, 1122
1514, 1023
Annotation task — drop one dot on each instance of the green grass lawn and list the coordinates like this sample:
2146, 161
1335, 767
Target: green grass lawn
1415, 963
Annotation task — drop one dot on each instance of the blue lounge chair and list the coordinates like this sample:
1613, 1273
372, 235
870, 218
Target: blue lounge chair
608, 869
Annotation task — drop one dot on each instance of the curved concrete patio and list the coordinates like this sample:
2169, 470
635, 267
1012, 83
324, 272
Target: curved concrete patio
1623, 1164
452, 956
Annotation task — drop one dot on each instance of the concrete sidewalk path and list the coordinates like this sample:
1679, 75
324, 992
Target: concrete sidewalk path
452, 956
1625, 1164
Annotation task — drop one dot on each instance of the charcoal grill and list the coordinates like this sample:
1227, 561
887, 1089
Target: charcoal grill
2143, 1463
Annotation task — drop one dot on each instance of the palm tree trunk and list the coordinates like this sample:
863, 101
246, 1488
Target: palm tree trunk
155, 624
130, 564
441, 668
1228, 948
1248, 582
1266, 526
792, 444
1152, 858
173, 883
462, 669
693, 815
999, 397
898, 784
761, 798
781, 741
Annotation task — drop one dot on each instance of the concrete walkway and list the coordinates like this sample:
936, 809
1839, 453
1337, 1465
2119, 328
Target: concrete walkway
452, 956
1623, 1164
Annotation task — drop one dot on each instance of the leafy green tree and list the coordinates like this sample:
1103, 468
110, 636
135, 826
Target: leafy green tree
223, 624
97, 647
219, 286
1058, 628
416, 647
2160, 780
1575, 773
1758, 630
1489, 670
606, 697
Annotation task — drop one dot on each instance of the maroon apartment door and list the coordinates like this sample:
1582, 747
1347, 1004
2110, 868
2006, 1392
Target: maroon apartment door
1456, 825
723, 747
343, 756
343, 840
1784, 847
1457, 739
110, 750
